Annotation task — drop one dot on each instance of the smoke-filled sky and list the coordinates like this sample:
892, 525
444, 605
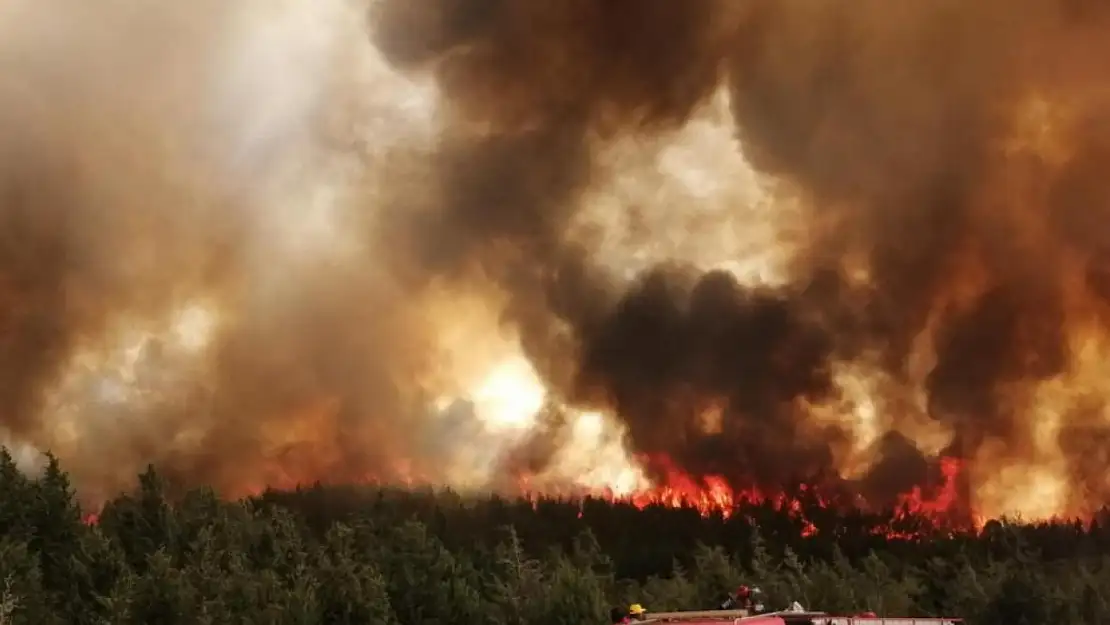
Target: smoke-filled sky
459, 240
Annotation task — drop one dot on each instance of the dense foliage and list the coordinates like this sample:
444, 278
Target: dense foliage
333, 555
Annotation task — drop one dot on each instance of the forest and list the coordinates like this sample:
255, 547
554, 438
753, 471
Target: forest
345, 555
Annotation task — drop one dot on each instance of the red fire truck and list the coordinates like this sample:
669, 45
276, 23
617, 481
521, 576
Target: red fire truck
743, 617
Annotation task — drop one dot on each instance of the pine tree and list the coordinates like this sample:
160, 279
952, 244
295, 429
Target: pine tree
352, 590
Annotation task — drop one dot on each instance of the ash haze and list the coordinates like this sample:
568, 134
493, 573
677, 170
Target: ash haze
259, 243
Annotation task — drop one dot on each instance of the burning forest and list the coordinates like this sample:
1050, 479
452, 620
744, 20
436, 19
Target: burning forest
693, 251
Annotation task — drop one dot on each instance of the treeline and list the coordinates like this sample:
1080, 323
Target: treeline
359, 555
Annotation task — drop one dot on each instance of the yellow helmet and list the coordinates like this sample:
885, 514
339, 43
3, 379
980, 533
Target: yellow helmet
636, 609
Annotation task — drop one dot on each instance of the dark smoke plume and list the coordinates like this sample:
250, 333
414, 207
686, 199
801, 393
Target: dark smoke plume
950, 153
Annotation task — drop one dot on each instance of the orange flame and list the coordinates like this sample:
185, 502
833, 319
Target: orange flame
917, 514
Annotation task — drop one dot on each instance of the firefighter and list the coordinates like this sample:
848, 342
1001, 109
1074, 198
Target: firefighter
618, 616
744, 599
736, 600
637, 612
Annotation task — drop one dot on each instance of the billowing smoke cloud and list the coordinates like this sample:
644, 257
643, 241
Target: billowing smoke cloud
946, 158
254, 245
184, 282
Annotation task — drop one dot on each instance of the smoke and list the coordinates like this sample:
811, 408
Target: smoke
186, 281
936, 185
454, 240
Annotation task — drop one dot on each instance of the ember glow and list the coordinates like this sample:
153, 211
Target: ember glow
699, 251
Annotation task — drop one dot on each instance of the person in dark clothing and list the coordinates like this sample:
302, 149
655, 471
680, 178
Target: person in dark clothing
738, 600
744, 598
619, 616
